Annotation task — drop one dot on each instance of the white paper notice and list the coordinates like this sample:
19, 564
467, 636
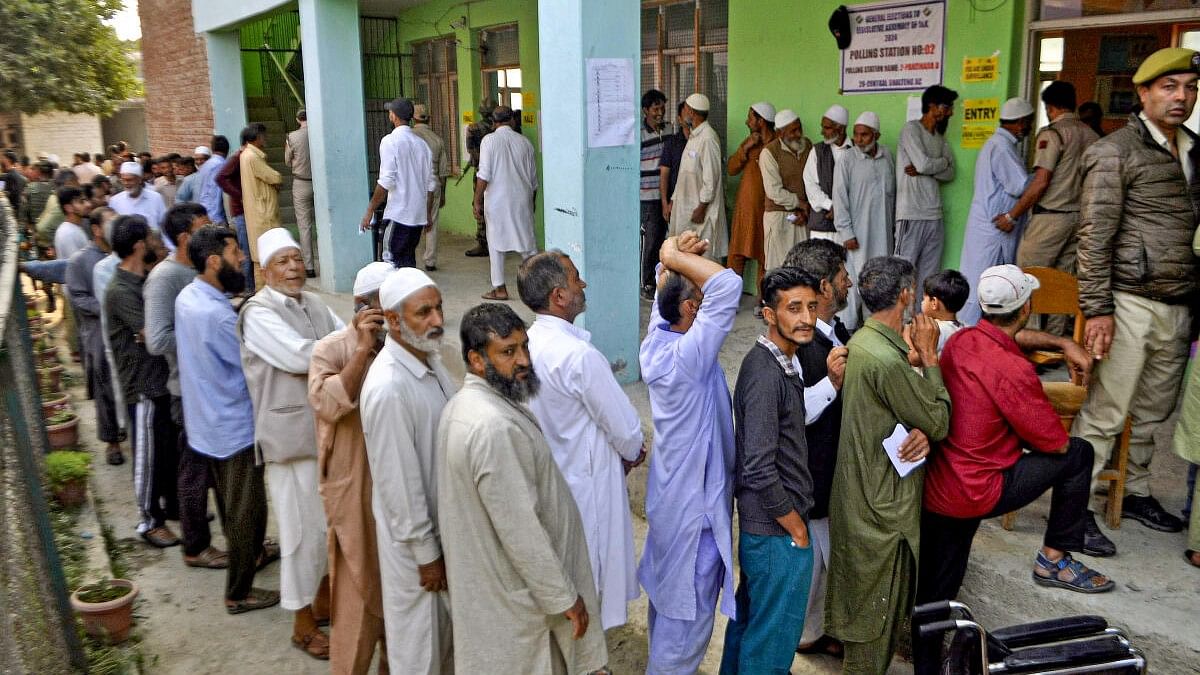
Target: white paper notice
612, 109
914, 109
891, 445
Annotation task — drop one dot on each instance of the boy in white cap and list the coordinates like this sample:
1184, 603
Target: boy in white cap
992, 234
818, 171
401, 401
137, 200
980, 470
699, 200
340, 362
278, 327
746, 229
785, 221
864, 200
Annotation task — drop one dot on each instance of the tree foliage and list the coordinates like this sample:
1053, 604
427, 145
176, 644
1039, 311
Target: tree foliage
58, 55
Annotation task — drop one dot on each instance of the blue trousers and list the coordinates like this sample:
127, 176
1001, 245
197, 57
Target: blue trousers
678, 645
239, 226
52, 271
772, 599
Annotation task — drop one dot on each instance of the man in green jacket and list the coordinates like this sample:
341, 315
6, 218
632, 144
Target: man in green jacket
875, 512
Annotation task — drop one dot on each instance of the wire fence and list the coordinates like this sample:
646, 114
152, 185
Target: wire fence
37, 628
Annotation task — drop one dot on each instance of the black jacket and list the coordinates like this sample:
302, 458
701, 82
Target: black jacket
823, 434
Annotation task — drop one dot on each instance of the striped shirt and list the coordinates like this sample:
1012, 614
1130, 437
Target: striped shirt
652, 147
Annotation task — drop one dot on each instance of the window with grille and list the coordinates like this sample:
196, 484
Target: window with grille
435, 78
685, 49
500, 60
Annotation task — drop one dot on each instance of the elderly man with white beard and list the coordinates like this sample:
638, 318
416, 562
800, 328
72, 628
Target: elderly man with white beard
278, 327
401, 403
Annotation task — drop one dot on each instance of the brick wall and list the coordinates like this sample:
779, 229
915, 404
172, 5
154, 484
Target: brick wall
175, 65
62, 134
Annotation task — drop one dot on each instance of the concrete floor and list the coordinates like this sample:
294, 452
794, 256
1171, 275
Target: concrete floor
185, 630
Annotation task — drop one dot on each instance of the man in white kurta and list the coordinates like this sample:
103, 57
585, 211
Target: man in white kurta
699, 199
864, 201
505, 191
521, 584
688, 556
401, 403
590, 424
279, 326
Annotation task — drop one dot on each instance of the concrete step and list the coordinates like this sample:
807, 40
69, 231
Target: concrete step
287, 214
263, 114
278, 165
274, 153
275, 129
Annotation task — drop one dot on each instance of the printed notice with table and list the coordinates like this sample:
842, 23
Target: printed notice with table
895, 46
891, 445
611, 102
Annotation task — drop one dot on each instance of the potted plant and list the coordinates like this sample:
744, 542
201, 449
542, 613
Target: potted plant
54, 402
46, 351
50, 377
106, 608
62, 428
67, 472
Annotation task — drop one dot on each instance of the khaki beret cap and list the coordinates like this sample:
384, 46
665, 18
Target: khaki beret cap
1165, 62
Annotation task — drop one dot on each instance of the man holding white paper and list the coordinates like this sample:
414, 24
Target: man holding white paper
874, 513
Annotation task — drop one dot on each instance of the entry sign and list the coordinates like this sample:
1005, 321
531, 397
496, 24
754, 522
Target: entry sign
979, 119
895, 46
980, 69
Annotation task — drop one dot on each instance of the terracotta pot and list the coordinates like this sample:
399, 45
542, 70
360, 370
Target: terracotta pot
53, 403
36, 333
71, 493
63, 435
47, 357
109, 621
50, 377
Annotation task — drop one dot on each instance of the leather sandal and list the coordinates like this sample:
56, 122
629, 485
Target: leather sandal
315, 644
209, 559
160, 537
257, 598
1192, 557
500, 293
270, 553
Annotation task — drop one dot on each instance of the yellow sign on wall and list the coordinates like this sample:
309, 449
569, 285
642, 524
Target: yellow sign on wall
975, 135
529, 119
528, 100
980, 69
468, 117
981, 111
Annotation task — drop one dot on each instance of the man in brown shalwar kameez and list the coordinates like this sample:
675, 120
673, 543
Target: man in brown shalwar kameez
746, 229
339, 365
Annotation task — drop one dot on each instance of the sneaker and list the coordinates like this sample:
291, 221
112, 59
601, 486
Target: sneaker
1148, 512
1094, 542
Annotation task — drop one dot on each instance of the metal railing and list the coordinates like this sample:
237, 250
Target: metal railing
37, 627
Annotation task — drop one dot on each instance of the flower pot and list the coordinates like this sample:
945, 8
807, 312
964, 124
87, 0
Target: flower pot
50, 377
36, 333
47, 357
54, 403
71, 493
111, 620
63, 435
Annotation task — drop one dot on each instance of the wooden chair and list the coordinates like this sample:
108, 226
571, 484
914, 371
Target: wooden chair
1059, 294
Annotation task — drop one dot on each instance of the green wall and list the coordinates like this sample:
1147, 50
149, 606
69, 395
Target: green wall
781, 51
432, 19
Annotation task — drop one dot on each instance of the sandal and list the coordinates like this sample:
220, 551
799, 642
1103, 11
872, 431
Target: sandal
496, 294
823, 645
160, 537
113, 455
270, 553
257, 598
315, 644
1193, 557
209, 559
1070, 574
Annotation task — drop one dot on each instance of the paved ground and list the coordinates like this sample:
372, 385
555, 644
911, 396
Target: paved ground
185, 629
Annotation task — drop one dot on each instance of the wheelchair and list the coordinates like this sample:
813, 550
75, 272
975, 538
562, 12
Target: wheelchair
1075, 644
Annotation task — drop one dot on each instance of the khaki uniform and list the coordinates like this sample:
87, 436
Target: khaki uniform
783, 182
295, 154
1050, 238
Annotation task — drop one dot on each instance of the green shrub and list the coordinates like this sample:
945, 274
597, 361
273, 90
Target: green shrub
64, 466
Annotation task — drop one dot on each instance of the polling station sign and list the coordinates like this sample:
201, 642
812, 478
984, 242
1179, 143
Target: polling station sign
894, 46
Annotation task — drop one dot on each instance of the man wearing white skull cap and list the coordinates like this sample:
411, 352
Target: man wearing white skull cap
402, 400
746, 228
699, 200
139, 201
864, 194
992, 234
340, 362
818, 171
279, 326
786, 210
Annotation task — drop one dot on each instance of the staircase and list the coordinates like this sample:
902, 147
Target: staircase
262, 109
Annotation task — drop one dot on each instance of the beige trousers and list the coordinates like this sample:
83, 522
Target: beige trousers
1050, 240
1140, 378
779, 237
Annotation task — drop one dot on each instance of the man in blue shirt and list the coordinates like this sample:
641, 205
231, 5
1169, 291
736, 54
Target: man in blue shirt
208, 193
217, 411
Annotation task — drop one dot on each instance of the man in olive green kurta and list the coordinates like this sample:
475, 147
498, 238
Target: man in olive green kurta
875, 515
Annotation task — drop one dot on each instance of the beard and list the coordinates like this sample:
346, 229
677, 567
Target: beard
942, 125
430, 342
517, 391
231, 279
841, 300
794, 146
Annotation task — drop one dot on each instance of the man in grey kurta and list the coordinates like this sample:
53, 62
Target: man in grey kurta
923, 163
521, 588
874, 512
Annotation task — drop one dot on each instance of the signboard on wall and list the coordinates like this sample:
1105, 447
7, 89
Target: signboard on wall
894, 46
980, 69
979, 118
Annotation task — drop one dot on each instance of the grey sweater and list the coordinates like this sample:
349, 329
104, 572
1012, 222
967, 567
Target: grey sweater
771, 476
163, 285
920, 197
